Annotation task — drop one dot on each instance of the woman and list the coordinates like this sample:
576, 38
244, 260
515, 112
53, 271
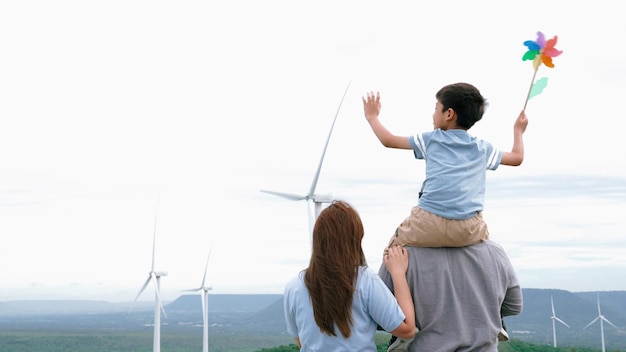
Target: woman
337, 303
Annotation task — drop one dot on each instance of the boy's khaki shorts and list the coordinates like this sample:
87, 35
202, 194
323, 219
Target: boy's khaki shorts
425, 229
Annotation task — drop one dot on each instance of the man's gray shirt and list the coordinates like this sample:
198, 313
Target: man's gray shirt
460, 295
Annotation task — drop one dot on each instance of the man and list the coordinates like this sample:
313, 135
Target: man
460, 295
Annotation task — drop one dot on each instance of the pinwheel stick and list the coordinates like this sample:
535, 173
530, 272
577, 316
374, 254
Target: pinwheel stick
530, 88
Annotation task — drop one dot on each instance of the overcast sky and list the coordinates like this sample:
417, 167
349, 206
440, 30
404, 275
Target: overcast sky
113, 113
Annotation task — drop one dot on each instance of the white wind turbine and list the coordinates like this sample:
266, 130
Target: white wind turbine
155, 277
314, 201
554, 320
205, 308
602, 319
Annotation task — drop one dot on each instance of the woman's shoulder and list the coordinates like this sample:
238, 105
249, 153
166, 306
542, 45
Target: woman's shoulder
295, 282
367, 276
365, 271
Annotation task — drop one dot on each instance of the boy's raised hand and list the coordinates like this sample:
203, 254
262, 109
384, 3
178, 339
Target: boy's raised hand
371, 105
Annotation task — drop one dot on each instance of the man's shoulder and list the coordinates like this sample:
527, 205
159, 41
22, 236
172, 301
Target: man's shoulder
491, 244
484, 245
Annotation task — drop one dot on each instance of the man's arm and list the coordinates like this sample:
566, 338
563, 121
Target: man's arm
513, 301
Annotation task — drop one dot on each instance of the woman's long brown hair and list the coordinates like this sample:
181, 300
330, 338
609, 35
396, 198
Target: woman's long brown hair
335, 260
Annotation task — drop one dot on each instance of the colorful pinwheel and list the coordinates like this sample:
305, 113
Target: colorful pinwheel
540, 51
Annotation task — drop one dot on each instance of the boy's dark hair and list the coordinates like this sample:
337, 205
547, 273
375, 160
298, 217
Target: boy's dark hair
465, 100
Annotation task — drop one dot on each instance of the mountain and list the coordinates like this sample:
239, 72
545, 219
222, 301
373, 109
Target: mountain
224, 302
216, 303
611, 299
577, 309
533, 325
261, 315
43, 307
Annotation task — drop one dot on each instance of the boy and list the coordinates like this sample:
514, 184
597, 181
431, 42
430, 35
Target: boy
450, 204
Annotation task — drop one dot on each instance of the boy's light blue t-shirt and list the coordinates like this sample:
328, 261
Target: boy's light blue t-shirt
373, 304
456, 168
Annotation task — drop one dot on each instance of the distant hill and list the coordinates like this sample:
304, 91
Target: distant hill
577, 309
272, 314
224, 302
611, 299
43, 307
263, 313
533, 325
190, 303
8, 309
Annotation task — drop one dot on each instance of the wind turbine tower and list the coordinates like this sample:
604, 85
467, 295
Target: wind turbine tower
155, 277
554, 320
314, 201
602, 319
205, 308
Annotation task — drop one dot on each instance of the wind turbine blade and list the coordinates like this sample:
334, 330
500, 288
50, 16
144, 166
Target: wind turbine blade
206, 266
552, 303
319, 166
158, 293
153, 248
608, 322
143, 287
156, 213
290, 196
209, 255
561, 321
593, 321
162, 308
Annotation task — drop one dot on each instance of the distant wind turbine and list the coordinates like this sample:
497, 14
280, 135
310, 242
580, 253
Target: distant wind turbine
155, 277
555, 319
314, 200
205, 308
602, 319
